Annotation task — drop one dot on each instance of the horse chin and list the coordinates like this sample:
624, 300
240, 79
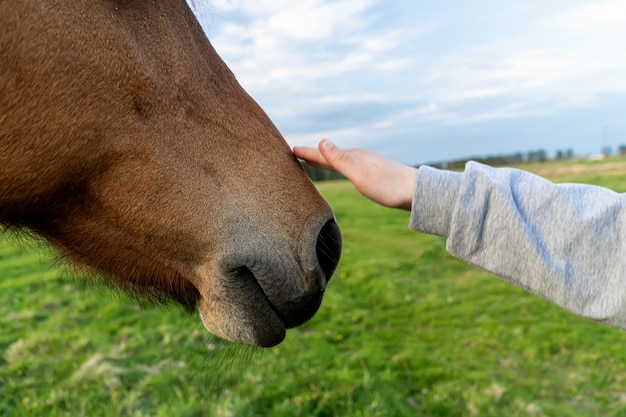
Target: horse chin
241, 311
242, 314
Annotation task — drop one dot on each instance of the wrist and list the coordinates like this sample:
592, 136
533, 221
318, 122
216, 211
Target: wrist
408, 189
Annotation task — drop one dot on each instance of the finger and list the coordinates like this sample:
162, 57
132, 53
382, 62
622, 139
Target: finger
339, 159
302, 151
308, 154
311, 156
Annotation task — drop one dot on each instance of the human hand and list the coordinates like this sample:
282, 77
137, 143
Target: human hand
382, 180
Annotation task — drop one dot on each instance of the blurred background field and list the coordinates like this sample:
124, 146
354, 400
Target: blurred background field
404, 330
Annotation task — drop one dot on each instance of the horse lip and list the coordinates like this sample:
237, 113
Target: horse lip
295, 312
292, 312
238, 310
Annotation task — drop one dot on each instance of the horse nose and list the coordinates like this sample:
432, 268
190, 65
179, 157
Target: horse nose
297, 311
328, 248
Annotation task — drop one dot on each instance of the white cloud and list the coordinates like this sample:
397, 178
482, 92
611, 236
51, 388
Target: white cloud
355, 137
596, 15
447, 64
565, 60
285, 45
315, 20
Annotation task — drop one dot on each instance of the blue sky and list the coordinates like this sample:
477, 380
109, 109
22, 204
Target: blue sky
426, 81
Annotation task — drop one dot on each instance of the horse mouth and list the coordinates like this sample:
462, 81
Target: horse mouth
292, 312
240, 310
255, 296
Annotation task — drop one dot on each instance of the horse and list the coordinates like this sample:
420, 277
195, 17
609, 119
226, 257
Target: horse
128, 145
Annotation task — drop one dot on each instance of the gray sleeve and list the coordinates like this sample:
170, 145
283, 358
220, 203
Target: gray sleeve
563, 242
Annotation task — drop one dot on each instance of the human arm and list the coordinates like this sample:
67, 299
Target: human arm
380, 179
563, 242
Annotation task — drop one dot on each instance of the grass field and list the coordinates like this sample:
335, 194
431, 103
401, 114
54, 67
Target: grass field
404, 330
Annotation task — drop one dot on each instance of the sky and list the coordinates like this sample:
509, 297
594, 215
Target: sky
424, 81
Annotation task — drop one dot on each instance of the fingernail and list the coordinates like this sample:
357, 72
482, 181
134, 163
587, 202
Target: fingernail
328, 145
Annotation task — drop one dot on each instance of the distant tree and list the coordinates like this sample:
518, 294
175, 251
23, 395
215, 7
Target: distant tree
319, 174
564, 154
438, 165
493, 160
537, 156
622, 150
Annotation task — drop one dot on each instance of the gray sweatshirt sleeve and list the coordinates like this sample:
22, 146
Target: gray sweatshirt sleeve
563, 242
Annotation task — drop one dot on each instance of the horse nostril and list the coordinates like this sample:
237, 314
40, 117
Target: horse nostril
328, 248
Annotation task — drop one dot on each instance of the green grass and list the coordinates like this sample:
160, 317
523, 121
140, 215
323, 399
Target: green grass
404, 330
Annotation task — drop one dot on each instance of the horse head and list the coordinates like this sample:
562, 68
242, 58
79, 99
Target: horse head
127, 143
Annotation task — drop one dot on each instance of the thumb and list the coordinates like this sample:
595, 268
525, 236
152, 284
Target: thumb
339, 159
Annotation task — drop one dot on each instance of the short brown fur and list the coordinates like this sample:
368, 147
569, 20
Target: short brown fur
127, 143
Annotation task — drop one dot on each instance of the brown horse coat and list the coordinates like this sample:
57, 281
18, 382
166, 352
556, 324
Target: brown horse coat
127, 143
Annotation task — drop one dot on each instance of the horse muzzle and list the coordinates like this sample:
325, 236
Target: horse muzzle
258, 294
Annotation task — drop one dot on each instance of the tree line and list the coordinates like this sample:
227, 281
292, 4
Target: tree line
539, 155
319, 174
